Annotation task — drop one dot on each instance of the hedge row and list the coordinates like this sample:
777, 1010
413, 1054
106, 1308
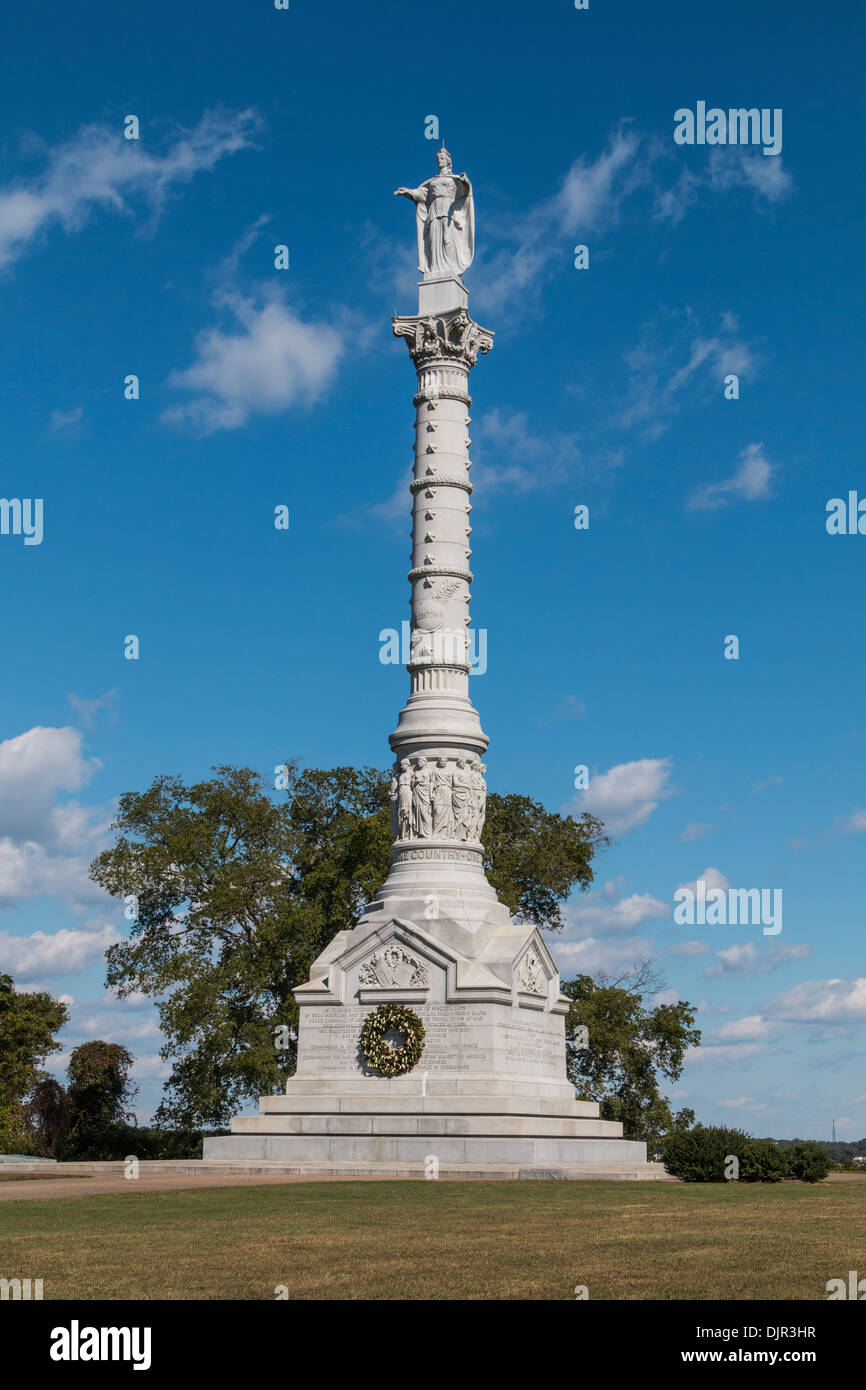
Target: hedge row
715, 1154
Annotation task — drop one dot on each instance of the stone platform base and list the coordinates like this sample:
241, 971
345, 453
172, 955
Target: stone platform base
482, 1121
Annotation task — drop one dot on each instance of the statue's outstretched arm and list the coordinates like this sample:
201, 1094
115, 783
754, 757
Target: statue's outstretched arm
416, 194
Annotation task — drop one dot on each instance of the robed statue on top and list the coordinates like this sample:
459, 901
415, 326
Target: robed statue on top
445, 220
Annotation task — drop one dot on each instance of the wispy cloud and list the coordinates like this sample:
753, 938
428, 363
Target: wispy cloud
100, 170
749, 482
595, 194
65, 422
525, 460
534, 241
728, 168
676, 358
87, 710
748, 959
695, 830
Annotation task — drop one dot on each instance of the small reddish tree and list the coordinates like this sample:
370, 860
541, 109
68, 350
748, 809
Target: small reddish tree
99, 1090
49, 1117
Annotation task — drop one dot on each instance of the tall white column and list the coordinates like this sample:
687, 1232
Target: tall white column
438, 788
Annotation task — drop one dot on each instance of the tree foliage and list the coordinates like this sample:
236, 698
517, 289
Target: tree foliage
98, 1093
28, 1023
48, 1117
631, 1043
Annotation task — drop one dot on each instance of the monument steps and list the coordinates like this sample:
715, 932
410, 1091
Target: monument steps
388, 1124
308, 1104
484, 1149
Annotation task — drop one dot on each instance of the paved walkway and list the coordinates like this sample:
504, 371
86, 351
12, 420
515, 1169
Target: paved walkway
34, 1188
97, 1179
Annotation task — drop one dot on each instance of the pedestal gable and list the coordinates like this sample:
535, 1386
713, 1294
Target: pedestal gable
536, 978
400, 962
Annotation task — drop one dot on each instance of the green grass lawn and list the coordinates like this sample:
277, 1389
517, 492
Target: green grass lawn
429, 1240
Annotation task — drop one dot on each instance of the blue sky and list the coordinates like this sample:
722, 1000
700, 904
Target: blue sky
261, 387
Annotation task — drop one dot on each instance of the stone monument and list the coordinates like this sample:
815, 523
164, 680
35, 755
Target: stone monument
489, 1087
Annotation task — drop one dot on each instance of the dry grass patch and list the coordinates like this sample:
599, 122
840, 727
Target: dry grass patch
428, 1240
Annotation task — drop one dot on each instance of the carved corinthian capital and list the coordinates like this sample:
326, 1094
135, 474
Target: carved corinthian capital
453, 338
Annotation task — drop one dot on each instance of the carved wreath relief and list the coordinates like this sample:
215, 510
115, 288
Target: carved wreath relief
441, 799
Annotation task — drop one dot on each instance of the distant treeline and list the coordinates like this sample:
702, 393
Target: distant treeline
838, 1151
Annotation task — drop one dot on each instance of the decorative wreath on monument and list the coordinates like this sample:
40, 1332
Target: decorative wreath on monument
396, 1018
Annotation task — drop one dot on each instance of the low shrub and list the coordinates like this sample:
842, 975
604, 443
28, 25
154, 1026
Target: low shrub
763, 1161
807, 1161
701, 1154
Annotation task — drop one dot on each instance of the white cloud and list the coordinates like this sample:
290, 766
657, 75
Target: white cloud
58, 953
752, 1028
590, 956
151, 1068
273, 361
822, 1001
665, 996
747, 959
45, 845
735, 168
689, 948
626, 795
615, 918
850, 825
725, 1053
34, 766
99, 169
711, 878
750, 481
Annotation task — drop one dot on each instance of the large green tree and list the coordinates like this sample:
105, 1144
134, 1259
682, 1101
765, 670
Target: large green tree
620, 1043
28, 1023
234, 890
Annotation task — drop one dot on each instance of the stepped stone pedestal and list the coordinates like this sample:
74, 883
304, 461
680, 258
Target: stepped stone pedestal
490, 1088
